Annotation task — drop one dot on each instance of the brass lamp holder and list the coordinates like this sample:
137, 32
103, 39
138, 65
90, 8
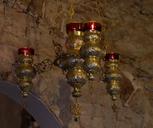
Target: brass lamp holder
113, 76
92, 51
25, 71
72, 63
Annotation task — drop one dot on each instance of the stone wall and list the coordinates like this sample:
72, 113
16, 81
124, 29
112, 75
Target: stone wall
10, 113
128, 30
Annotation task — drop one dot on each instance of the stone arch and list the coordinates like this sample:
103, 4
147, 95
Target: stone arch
32, 104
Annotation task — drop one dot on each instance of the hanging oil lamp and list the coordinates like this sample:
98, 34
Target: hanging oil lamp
76, 75
72, 63
91, 51
25, 71
112, 74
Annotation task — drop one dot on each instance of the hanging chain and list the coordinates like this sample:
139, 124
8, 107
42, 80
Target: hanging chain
71, 10
46, 64
5, 3
106, 42
116, 111
58, 49
91, 87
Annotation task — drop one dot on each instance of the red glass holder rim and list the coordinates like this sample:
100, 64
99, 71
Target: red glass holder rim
26, 51
89, 26
92, 25
112, 56
71, 27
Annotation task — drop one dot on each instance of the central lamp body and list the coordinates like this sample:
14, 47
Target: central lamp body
92, 50
76, 75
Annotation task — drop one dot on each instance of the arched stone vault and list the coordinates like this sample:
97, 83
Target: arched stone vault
31, 104
129, 30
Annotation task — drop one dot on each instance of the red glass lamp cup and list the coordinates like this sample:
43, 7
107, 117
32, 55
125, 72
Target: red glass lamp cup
26, 51
92, 26
112, 56
25, 71
72, 27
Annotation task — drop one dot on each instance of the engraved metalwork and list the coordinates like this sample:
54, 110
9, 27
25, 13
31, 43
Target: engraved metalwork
25, 71
92, 51
72, 63
112, 74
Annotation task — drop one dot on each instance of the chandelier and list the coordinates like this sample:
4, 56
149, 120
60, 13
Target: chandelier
85, 59
82, 61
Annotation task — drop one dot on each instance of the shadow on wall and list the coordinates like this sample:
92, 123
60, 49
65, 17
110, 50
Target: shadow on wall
32, 104
64, 102
19, 117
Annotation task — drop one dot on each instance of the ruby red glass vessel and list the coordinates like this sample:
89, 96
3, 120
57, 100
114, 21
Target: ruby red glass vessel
112, 56
26, 51
71, 27
92, 25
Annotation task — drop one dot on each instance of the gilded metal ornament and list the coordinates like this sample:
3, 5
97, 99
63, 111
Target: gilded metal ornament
25, 71
112, 74
76, 77
75, 38
76, 111
92, 51
72, 63
92, 65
